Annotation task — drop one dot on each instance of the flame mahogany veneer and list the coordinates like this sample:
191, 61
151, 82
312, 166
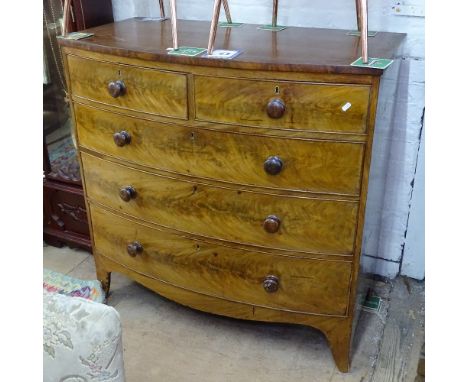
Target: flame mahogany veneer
236, 187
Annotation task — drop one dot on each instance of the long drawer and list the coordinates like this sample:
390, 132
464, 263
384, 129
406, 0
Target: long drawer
279, 282
282, 104
271, 221
134, 88
291, 164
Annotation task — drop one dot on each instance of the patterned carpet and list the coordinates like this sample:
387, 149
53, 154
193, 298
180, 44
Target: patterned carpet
63, 159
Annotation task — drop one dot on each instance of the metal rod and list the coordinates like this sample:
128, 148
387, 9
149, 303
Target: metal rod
358, 14
161, 9
364, 31
227, 37
175, 39
227, 11
274, 19
66, 15
214, 25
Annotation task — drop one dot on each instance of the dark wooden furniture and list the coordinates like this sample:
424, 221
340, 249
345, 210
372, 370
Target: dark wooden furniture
236, 187
65, 219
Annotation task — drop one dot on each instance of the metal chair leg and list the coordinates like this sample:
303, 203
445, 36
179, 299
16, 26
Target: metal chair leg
161, 9
364, 31
66, 15
214, 25
227, 12
358, 14
175, 39
274, 19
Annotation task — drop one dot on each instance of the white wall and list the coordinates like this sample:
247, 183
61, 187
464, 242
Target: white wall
413, 259
397, 142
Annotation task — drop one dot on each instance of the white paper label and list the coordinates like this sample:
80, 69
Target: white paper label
346, 106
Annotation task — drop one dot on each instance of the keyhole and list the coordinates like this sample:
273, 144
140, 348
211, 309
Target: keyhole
192, 136
119, 73
277, 90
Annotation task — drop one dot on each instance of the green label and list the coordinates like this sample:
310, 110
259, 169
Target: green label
186, 51
225, 24
376, 63
272, 28
372, 303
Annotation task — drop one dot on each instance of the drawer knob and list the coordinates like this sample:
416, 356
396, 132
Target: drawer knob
116, 88
276, 108
271, 284
127, 193
273, 165
123, 138
271, 224
134, 248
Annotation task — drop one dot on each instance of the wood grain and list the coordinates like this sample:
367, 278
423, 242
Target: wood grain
297, 49
309, 106
312, 166
307, 225
336, 329
146, 90
221, 71
200, 131
310, 286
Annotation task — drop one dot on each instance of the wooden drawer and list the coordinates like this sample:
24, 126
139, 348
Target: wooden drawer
308, 106
146, 90
317, 166
311, 286
308, 225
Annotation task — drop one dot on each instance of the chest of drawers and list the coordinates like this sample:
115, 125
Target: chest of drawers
234, 187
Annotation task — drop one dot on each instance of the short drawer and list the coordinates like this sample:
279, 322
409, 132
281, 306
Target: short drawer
283, 105
252, 218
273, 281
290, 164
134, 88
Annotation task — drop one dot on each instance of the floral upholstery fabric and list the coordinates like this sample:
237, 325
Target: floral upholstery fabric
82, 340
63, 284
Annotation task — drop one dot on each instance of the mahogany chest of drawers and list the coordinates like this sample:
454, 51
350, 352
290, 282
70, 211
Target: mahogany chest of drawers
236, 187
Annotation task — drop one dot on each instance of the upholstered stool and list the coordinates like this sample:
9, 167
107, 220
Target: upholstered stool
82, 338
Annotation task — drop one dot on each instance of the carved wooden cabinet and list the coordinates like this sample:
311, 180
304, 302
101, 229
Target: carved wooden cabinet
65, 220
236, 187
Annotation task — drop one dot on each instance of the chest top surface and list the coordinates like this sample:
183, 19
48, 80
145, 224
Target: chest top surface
293, 49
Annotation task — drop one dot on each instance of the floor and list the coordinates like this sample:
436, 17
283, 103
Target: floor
164, 341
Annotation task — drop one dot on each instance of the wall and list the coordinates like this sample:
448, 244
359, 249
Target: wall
398, 134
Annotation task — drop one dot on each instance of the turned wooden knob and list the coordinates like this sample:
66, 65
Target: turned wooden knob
116, 88
134, 248
271, 283
123, 138
127, 193
273, 165
276, 108
271, 224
